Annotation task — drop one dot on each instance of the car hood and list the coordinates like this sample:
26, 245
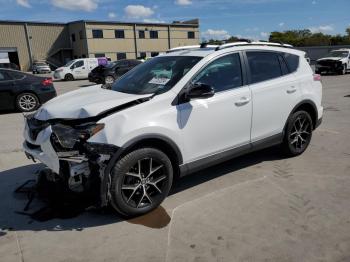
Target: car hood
83, 103
330, 58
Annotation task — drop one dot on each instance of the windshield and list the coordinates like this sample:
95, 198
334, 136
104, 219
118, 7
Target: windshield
69, 63
338, 54
157, 75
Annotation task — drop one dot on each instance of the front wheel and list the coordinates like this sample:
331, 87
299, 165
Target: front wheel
343, 70
298, 133
141, 180
69, 77
109, 80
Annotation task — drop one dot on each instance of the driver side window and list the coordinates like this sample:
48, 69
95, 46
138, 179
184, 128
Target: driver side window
77, 64
223, 74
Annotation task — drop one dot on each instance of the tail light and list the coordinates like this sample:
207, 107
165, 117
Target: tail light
317, 77
47, 82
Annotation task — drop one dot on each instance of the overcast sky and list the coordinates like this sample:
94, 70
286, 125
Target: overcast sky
218, 18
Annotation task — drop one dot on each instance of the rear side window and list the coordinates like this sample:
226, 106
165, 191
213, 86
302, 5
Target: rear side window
263, 66
4, 76
223, 74
292, 62
16, 75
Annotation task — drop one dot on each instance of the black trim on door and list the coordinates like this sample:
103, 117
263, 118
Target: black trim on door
220, 157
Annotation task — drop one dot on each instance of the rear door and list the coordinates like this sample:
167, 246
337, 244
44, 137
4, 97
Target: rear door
7, 85
275, 92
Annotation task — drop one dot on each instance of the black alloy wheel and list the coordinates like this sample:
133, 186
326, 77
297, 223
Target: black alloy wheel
141, 180
298, 133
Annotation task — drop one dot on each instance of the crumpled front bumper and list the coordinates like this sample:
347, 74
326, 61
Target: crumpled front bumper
41, 148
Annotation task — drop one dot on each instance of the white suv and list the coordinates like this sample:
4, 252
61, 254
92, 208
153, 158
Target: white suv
173, 115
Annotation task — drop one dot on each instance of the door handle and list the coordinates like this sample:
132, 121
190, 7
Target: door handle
243, 101
291, 90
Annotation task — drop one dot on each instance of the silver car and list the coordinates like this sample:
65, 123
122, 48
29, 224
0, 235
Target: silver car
41, 68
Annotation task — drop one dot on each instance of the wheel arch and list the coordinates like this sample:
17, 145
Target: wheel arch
308, 106
163, 143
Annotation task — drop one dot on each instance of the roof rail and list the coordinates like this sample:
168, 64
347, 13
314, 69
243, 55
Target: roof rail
181, 48
246, 43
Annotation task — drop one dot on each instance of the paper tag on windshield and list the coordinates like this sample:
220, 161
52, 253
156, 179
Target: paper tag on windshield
159, 81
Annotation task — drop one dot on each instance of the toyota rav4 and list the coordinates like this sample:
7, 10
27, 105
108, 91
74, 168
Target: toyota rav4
175, 114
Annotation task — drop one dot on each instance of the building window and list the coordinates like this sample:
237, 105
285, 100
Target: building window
143, 55
97, 33
142, 34
81, 36
121, 56
73, 37
153, 34
100, 55
153, 54
119, 34
190, 35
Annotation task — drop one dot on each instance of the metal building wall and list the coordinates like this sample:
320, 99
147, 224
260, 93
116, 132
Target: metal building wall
12, 35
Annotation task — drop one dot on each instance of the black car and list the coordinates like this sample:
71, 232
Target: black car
23, 91
109, 73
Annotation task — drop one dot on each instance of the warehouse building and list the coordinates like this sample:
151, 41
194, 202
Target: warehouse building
23, 43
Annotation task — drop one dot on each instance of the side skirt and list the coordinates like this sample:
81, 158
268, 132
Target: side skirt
218, 158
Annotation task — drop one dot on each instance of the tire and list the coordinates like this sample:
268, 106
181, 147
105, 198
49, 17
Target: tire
134, 194
109, 80
343, 71
69, 77
298, 133
27, 102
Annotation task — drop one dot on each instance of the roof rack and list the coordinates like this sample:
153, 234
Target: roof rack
181, 48
249, 43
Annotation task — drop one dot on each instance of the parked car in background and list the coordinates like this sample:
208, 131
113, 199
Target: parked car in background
9, 66
337, 61
173, 115
78, 68
41, 68
109, 73
23, 91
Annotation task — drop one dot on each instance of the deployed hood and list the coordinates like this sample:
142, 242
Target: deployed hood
84, 103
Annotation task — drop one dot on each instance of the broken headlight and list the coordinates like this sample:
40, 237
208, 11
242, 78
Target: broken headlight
68, 136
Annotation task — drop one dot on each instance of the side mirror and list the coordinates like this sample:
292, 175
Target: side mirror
200, 90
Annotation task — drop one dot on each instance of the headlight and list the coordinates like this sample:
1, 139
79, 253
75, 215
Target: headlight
69, 136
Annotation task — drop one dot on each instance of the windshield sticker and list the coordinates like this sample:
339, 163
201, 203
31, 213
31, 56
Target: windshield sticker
159, 81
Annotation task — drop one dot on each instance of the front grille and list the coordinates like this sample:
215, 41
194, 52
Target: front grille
329, 63
35, 126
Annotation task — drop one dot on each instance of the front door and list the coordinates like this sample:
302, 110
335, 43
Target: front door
222, 122
79, 69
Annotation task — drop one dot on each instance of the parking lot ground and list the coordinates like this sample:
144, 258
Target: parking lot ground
259, 207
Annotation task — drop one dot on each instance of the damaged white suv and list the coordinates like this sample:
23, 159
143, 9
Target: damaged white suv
173, 115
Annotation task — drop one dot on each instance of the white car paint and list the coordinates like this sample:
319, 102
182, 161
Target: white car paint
78, 68
344, 60
200, 127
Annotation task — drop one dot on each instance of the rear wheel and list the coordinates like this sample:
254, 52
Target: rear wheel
69, 77
27, 102
141, 180
109, 80
298, 133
